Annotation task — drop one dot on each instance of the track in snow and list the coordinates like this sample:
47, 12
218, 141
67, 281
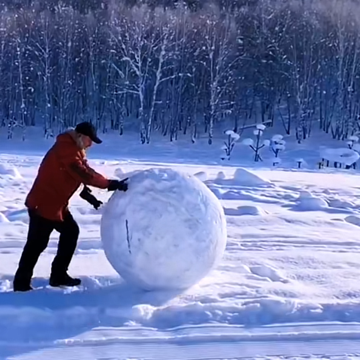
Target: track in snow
320, 341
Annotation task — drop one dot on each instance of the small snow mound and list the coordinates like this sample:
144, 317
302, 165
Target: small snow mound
340, 204
308, 202
251, 210
305, 194
167, 231
9, 171
220, 175
245, 210
119, 173
266, 271
247, 178
3, 218
232, 195
201, 175
354, 220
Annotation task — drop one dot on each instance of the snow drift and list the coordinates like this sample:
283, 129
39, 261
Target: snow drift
245, 177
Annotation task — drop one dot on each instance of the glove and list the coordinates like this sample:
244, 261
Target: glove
91, 199
117, 185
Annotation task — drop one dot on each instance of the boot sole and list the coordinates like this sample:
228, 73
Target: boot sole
23, 290
63, 285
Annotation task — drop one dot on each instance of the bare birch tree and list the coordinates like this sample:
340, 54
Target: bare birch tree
131, 35
220, 61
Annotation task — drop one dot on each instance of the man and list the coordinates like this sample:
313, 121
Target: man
62, 171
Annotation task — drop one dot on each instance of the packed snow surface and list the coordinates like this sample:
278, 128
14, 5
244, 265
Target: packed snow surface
9, 171
286, 288
166, 232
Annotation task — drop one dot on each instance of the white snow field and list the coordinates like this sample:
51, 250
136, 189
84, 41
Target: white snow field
287, 287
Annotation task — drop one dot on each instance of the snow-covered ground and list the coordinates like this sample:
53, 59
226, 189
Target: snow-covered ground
288, 285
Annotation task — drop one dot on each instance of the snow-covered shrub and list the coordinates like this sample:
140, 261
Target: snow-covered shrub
352, 140
228, 147
277, 144
257, 145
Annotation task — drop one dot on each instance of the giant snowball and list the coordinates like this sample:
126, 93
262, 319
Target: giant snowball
166, 232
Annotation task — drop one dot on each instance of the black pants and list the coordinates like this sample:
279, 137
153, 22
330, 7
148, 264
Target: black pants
39, 233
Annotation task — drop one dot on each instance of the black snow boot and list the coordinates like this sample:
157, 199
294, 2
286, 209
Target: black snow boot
22, 286
63, 280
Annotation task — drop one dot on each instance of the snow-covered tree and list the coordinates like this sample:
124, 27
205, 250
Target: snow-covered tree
257, 145
43, 49
220, 33
134, 44
164, 70
229, 144
277, 144
181, 70
20, 54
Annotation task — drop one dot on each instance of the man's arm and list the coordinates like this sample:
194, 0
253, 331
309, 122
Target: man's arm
80, 170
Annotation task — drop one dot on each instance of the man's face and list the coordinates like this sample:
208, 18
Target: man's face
86, 141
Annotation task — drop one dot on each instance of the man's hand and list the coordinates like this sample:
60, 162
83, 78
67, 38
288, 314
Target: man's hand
118, 185
97, 203
91, 199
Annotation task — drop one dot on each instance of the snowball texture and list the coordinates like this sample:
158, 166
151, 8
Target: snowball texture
166, 232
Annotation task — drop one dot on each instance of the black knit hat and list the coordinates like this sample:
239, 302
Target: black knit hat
88, 129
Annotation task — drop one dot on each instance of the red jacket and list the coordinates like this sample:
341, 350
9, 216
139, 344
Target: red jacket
63, 169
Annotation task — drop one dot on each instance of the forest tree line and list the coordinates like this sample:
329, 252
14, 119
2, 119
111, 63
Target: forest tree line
175, 70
